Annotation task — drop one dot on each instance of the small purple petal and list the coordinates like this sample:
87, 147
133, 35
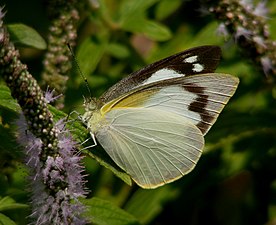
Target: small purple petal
49, 95
222, 30
2, 13
267, 65
60, 125
241, 31
261, 9
260, 41
247, 4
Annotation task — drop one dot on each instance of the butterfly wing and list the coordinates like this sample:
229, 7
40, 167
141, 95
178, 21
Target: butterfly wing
152, 122
155, 132
153, 146
199, 60
198, 98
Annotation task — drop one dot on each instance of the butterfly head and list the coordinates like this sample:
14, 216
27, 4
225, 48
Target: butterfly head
90, 106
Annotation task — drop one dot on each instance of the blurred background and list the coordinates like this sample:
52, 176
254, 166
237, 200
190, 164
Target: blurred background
234, 182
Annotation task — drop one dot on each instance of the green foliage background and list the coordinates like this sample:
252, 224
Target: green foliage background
234, 181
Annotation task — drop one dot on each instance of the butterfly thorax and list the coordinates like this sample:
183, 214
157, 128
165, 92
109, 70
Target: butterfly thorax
92, 115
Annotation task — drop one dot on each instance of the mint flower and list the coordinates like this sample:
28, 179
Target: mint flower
52, 205
56, 179
247, 23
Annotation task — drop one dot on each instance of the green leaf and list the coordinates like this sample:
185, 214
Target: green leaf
26, 36
133, 18
145, 205
58, 114
132, 8
177, 44
8, 112
4, 220
6, 99
118, 50
102, 212
7, 203
103, 158
8, 141
207, 36
89, 54
271, 5
166, 8
151, 29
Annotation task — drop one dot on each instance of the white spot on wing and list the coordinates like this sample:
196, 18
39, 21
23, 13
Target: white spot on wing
190, 59
198, 67
163, 74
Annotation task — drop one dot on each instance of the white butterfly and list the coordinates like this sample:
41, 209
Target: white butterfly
152, 122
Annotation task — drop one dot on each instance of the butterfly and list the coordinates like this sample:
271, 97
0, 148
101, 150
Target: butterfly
152, 123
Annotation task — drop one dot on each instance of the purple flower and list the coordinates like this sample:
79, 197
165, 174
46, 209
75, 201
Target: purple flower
241, 31
247, 4
260, 41
2, 13
267, 65
222, 30
261, 9
56, 183
49, 95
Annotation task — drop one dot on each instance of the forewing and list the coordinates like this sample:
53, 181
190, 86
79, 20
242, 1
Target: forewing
203, 59
154, 147
199, 98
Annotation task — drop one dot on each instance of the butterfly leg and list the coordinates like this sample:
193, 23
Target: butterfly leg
75, 112
93, 138
90, 146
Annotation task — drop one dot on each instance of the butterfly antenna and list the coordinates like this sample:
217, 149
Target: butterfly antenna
83, 77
